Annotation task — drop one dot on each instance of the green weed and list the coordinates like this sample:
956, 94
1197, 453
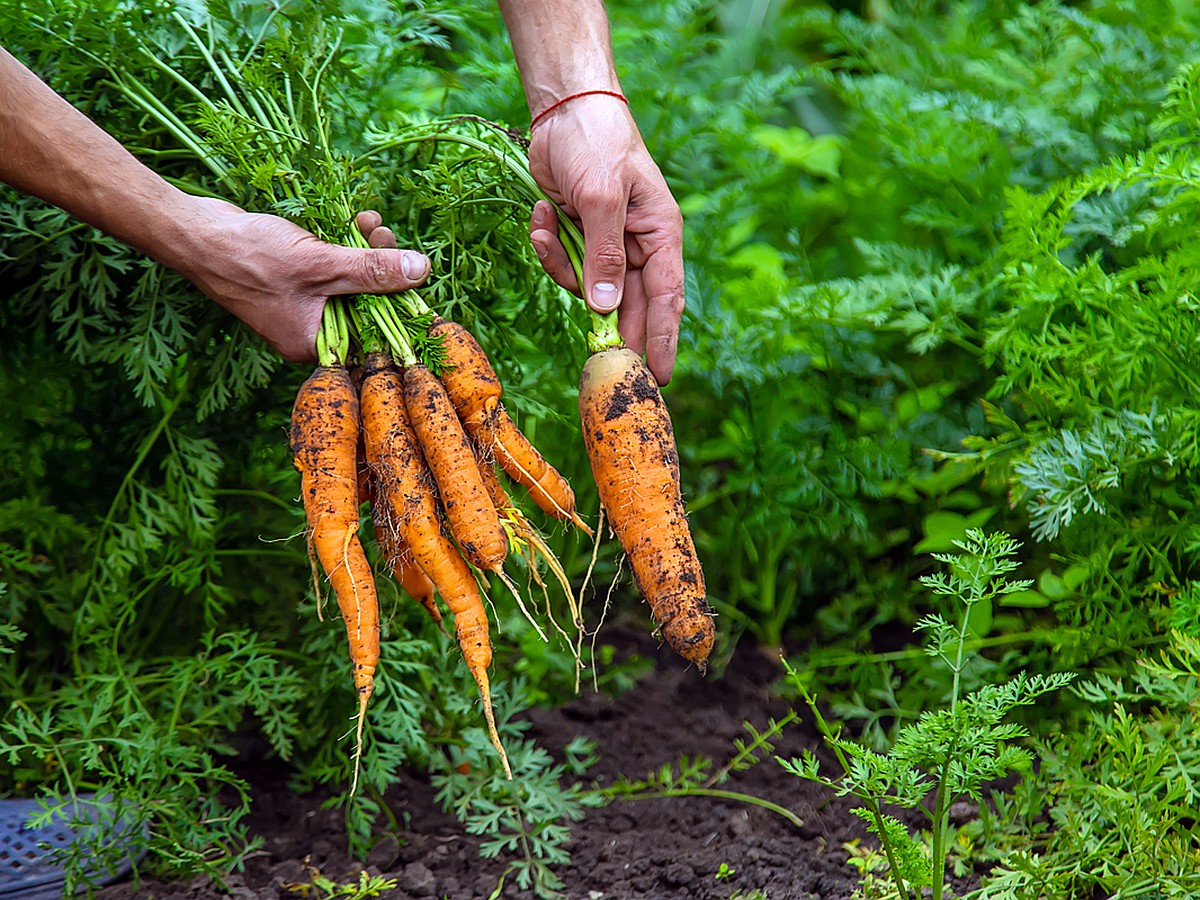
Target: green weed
322, 888
694, 776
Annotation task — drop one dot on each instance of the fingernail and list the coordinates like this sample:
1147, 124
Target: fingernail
539, 214
413, 265
540, 249
605, 297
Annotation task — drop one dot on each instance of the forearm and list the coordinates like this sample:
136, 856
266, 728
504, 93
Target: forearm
561, 47
53, 151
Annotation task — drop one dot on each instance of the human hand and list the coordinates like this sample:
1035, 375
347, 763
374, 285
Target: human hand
276, 277
589, 158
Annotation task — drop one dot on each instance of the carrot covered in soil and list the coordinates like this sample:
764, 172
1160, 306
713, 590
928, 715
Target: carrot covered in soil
631, 445
398, 558
447, 451
475, 391
324, 441
409, 507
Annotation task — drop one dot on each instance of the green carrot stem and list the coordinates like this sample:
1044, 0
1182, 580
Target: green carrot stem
218, 73
333, 338
604, 334
141, 96
368, 334
413, 304
383, 316
175, 76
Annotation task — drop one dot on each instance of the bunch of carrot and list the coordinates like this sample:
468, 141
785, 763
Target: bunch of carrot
404, 410
420, 449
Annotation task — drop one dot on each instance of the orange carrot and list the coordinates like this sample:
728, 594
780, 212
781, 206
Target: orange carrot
398, 558
470, 380
530, 544
447, 451
324, 440
409, 506
475, 390
631, 445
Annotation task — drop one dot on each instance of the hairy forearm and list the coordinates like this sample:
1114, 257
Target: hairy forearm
53, 151
561, 47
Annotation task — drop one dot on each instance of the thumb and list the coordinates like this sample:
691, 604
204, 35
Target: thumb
352, 270
603, 220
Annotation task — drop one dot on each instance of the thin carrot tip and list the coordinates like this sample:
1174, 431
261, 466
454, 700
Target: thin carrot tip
363, 697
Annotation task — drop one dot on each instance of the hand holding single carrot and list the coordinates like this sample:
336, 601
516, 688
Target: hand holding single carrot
589, 158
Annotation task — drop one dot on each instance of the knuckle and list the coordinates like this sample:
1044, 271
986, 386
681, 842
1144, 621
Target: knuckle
605, 195
608, 257
375, 267
677, 304
673, 302
675, 219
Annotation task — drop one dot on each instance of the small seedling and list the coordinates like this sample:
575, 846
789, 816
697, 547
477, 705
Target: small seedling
322, 888
948, 753
693, 776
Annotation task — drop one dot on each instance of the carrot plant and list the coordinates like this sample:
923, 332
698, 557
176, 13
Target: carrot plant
948, 753
1120, 818
699, 776
526, 818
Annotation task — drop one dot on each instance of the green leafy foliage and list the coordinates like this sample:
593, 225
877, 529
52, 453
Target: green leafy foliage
527, 817
948, 753
1119, 816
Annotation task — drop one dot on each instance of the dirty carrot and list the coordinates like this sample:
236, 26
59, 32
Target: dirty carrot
405, 491
324, 440
398, 559
475, 390
473, 520
531, 546
631, 445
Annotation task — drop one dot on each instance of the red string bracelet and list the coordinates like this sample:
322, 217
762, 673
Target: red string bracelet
567, 99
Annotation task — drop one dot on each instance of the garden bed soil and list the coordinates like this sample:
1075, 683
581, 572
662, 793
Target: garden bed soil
667, 849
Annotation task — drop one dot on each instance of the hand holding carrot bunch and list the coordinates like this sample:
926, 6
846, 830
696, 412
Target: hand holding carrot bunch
428, 407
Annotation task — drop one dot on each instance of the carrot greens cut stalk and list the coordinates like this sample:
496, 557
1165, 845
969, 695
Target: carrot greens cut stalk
324, 444
409, 508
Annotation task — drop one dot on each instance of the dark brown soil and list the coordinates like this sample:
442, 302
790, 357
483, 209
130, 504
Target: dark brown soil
668, 849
